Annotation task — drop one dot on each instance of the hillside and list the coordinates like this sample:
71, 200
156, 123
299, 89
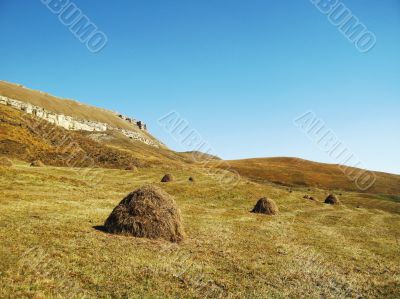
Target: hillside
19, 142
27, 138
299, 172
199, 156
61, 106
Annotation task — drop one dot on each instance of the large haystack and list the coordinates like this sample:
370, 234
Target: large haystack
332, 199
4, 162
147, 212
265, 206
37, 163
167, 178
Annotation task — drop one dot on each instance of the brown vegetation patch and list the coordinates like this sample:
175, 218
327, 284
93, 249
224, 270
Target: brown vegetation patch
147, 212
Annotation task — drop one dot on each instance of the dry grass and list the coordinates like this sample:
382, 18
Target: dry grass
56, 146
5, 162
62, 106
298, 172
51, 248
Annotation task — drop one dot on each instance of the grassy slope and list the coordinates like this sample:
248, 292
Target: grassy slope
293, 171
199, 156
66, 106
61, 106
50, 247
55, 146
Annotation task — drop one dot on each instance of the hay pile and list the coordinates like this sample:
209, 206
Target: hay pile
265, 206
4, 162
332, 199
147, 212
37, 163
191, 179
167, 178
132, 168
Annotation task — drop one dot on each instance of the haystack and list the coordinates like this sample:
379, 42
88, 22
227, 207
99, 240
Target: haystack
4, 162
131, 168
191, 179
148, 212
37, 163
332, 199
265, 206
167, 178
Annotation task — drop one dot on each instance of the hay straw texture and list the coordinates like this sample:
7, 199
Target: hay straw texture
148, 212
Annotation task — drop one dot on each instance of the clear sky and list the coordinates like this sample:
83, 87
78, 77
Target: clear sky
238, 71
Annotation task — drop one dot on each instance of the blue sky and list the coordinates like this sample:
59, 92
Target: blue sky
238, 71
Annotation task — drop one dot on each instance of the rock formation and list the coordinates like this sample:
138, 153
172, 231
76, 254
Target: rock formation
73, 124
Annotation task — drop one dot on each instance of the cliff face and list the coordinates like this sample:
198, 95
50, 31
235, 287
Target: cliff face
67, 122
74, 124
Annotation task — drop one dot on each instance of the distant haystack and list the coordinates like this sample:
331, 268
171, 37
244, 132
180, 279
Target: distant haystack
265, 206
37, 163
147, 212
167, 178
131, 168
191, 179
309, 197
4, 162
332, 200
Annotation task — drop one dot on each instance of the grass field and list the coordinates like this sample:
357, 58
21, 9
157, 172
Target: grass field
52, 244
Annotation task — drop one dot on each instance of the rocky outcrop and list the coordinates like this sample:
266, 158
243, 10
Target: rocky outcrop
139, 137
141, 125
67, 122
70, 123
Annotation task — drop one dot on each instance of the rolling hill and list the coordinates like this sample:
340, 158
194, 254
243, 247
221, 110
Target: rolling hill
113, 149
299, 172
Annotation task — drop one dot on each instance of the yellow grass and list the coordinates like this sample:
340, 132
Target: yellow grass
299, 172
51, 248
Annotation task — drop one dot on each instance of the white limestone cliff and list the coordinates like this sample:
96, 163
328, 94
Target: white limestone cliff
73, 124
